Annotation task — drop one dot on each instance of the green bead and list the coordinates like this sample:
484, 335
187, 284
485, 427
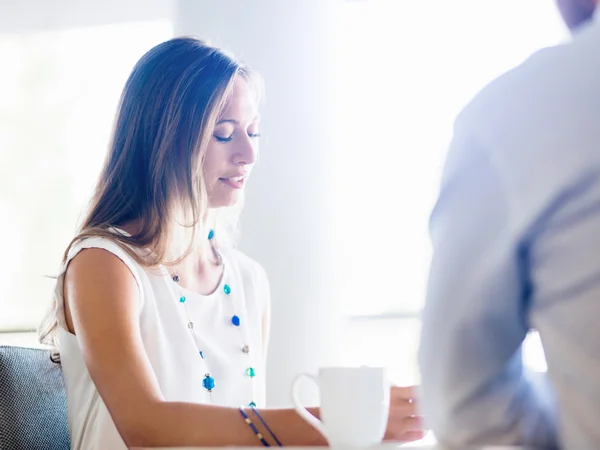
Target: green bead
251, 372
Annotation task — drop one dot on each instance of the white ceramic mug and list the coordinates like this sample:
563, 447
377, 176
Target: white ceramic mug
355, 403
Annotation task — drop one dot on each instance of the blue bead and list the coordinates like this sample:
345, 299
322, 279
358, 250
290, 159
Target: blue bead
182, 299
201, 354
208, 383
211, 234
235, 320
227, 289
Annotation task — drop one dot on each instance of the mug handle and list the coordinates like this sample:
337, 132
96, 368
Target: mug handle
300, 409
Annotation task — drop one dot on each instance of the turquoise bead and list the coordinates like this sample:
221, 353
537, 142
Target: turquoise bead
252, 405
182, 299
227, 289
251, 372
208, 382
211, 234
235, 320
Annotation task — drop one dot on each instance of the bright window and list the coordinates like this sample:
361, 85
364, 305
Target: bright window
405, 71
59, 92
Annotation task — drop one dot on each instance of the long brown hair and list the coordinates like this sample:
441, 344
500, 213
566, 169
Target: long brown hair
153, 173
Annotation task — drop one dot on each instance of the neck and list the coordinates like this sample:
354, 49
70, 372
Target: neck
198, 273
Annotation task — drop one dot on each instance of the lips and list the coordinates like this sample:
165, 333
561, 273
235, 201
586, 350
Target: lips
236, 182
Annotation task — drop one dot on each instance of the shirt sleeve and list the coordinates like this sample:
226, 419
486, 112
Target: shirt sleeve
475, 389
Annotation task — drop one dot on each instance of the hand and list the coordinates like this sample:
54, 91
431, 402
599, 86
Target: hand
404, 423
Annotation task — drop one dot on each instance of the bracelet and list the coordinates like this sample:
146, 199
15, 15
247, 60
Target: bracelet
266, 426
253, 427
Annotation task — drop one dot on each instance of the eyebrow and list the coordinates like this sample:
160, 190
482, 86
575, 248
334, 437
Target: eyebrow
235, 122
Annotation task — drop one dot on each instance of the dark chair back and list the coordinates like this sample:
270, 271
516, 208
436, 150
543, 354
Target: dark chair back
33, 401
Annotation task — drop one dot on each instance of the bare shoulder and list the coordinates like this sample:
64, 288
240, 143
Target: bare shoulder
100, 268
97, 263
97, 281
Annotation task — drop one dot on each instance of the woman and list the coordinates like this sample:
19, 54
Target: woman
163, 327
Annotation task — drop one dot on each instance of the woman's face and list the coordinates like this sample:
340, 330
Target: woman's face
233, 147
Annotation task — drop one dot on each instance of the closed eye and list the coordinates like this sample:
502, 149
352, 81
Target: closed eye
254, 135
222, 139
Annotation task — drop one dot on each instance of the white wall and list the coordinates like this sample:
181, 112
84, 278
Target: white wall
18, 16
61, 118
287, 220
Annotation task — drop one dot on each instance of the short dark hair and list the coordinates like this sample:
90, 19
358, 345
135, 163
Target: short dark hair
576, 12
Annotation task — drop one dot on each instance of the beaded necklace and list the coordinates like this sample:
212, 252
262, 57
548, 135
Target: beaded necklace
208, 382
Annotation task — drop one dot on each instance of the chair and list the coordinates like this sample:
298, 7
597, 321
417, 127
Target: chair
33, 401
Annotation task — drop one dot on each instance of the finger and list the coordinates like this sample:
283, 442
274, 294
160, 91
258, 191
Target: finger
398, 430
412, 423
412, 436
401, 403
405, 393
404, 409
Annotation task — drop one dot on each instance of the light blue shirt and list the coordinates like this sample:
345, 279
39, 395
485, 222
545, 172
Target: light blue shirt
516, 238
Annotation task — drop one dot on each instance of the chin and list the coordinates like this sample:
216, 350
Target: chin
224, 201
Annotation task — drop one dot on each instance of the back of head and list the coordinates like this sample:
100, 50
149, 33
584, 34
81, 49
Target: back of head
576, 12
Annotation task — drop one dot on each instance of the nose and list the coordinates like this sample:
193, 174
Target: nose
246, 152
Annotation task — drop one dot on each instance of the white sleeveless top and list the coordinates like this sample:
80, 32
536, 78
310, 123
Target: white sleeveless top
170, 345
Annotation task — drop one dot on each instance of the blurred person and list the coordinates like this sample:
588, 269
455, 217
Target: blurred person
516, 238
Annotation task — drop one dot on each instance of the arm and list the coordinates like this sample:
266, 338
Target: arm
475, 389
102, 308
